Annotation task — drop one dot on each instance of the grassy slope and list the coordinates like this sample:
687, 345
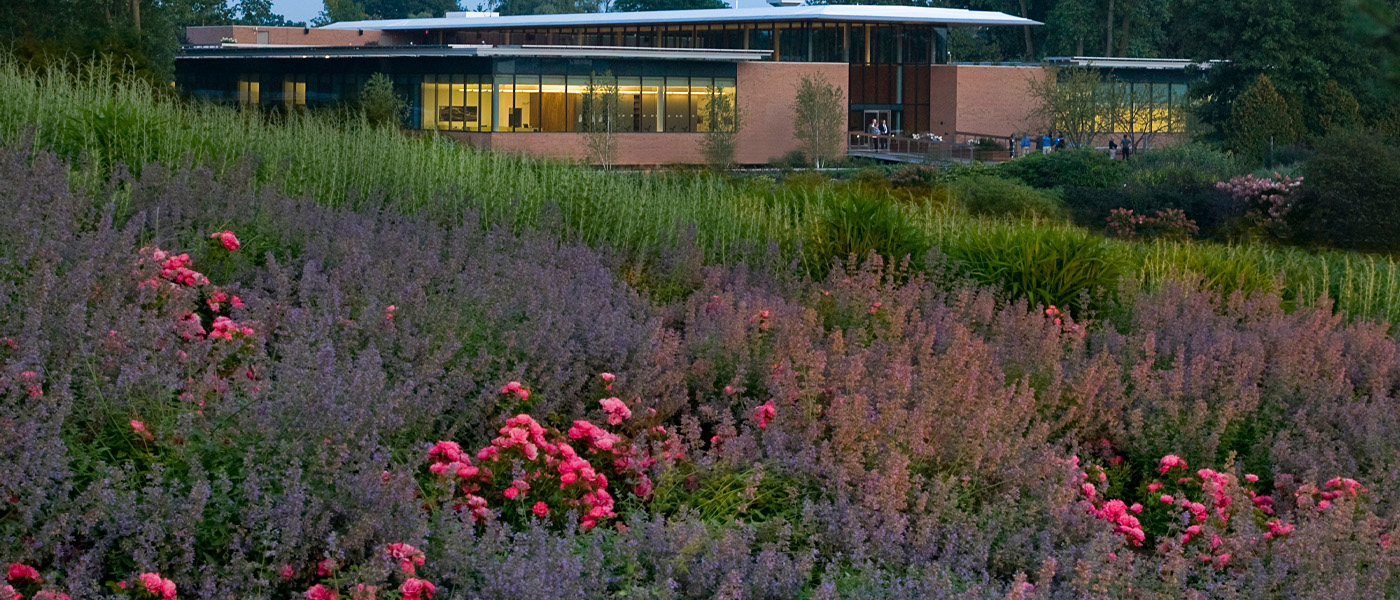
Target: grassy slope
126, 121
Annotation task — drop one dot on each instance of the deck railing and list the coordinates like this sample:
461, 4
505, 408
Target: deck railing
963, 148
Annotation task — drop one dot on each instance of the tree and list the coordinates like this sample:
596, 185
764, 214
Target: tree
259, 12
334, 11
544, 7
1259, 118
403, 9
603, 119
722, 129
382, 107
1337, 109
819, 118
642, 5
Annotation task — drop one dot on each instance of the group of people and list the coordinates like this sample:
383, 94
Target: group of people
1050, 144
877, 128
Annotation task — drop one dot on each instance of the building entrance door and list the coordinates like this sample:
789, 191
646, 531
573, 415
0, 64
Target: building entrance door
878, 117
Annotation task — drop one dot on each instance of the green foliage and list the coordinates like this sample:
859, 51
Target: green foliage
602, 118
819, 118
722, 495
642, 5
381, 105
403, 9
1182, 163
1065, 168
1059, 266
1000, 197
1351, 193
723, 122
1336, 109
858, 224
544, 7
334, 11
1260, 118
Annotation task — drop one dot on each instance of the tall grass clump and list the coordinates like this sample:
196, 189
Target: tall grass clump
1058, 266
855, 225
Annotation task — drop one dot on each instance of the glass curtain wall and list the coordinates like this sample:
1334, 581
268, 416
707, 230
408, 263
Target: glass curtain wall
554, 103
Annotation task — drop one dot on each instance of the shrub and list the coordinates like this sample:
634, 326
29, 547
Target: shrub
910, 175
1266, 202
856, 224
381, 105
794, 159
997, 196
1059, 266
1170, 223
1065, 168
1199, 201
1351, 193
1181, 164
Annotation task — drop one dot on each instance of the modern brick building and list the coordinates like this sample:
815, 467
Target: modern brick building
519, 83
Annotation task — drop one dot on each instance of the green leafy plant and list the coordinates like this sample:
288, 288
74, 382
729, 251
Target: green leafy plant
858, 224
1056, 266
1065, 168
381, 105
998, 196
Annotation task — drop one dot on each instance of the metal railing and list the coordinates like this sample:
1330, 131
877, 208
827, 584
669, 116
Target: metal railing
963, 148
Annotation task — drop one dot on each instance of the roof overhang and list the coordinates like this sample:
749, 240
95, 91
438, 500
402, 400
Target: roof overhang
325, 52
836, 13
1114, 62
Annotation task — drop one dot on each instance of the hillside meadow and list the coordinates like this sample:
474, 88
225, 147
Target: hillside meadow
368, 365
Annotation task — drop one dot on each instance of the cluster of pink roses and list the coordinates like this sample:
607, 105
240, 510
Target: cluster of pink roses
1114, 511
765, 413
157, 586
575, 469
20, 577
227, 238
1335, 489
174, 268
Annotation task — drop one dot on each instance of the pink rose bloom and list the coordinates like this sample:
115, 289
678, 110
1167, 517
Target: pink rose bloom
227, 238
21, 572
363, 592
617, 410
765, 414
1250, 477
1154, 486
607, 378
1088, 489
416, 589
1168, 499
1323, 505
50, 595
1169, 461
140, 429
326, 567
1137, 508
321, 592
157, 585
8, 592
287, 572
511, 493
540, 509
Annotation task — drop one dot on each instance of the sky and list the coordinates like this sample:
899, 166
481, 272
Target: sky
306, 10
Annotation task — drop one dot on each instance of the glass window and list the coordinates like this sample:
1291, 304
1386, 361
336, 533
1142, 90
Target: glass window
428, 119
678, 114
527, 103
553, 115
294, 90
652, 99
506, 117
249, 89
578, 86
629, 91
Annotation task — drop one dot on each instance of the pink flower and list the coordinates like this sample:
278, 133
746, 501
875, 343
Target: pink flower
1169, 461
406, 555
227, 238
363, 592
157, 585
20, 572
416, 589
511, 493
765, 413
540, 509
286, 572
1168, 499
140, 429
1154, 486
617, 410
1250, 477
321, 592
50, 595
607, 378
1323, 505
327, 566
1137, 508
1088, 489
7, 592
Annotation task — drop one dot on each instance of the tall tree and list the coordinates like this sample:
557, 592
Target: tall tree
721, 127
259, 12
1261, 118
643, 5
334, 11
819, 118
403, 9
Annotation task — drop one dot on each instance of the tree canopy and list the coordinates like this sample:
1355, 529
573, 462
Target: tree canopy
641, 5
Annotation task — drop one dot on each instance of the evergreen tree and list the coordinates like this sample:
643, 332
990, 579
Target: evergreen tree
1336, 110
1261, 116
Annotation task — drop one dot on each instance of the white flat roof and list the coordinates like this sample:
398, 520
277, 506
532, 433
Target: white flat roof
1118, 62
224, 51
843, 12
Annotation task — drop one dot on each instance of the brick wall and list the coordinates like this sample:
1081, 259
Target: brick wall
988, 99
248, 34
766, 91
